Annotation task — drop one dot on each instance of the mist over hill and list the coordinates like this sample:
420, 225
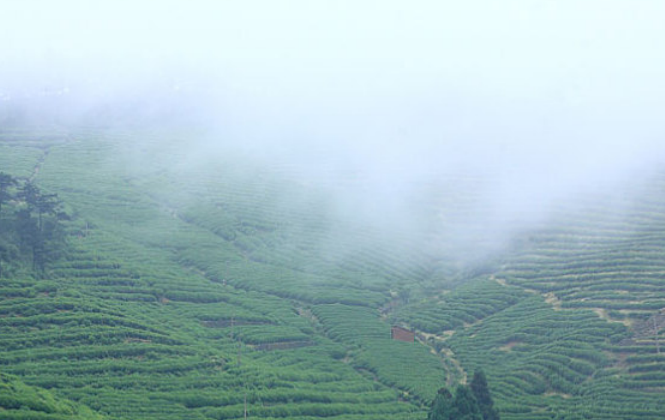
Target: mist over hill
397, 94
254, 193
220, 278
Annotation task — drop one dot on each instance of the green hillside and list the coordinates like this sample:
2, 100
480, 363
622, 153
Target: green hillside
198, 284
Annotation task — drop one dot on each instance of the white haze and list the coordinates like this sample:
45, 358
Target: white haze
547, 98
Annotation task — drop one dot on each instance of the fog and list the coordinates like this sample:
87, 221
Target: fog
547, 99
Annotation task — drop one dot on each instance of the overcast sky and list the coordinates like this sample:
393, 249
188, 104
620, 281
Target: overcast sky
549, 93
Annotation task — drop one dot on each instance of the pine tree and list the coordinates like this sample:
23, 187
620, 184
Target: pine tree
441, 406
465, 406
8, 250
6, 182
36, 231
472, 402
482, 394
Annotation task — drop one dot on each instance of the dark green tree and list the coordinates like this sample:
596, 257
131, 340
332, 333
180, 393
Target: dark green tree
6, 183
29, 193
37, 221
47, 204
33, 230
482, 394
8, 252
441, 406
465, 406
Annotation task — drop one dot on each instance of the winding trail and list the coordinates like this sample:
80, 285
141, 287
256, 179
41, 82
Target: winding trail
46, 150
39, 164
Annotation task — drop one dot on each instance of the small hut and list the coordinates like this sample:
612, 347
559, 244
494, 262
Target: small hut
402, 334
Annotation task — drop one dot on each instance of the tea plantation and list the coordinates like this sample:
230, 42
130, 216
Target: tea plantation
198, 284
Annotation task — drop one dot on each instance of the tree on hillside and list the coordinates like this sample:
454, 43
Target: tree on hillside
441, 406
37, 221
472, 402
29, 193
482, 394
8, 252
32, 228
6, 183
465, 406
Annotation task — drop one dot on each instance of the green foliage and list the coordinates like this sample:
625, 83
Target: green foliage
34, 230
463, 405
20, 401
141, 319
481, 392
6, 183
442, 406
407, 366
186, 289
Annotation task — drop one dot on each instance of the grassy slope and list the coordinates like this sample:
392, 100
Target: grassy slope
135, 322
572, 321
183, 299
19, 401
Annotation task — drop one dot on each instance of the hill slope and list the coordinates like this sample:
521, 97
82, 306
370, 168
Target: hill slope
204, 288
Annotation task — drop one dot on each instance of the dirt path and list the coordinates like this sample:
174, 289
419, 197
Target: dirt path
46, 149
38, 165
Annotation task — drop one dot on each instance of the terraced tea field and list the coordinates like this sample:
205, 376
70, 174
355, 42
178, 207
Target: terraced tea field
572, 320
209, 286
